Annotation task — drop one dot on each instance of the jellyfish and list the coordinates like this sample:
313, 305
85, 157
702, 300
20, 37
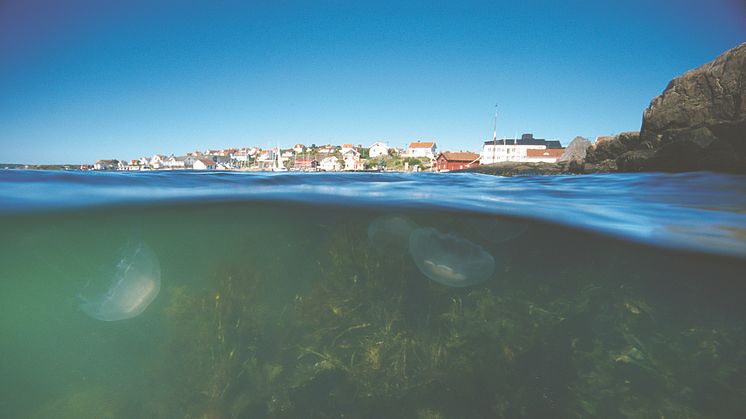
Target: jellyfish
448, 259
135, 284
391, 232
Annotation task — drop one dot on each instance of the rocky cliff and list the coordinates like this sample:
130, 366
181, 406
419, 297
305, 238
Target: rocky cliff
698, 123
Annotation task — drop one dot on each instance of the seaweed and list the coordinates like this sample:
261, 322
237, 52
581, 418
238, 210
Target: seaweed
372, 337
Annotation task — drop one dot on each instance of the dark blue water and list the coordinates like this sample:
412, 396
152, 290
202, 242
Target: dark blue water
233, 295
696, 211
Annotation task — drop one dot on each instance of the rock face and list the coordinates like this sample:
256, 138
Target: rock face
576, 150
610, 148
698, 123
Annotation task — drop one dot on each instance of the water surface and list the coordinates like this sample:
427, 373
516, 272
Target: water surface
300, 296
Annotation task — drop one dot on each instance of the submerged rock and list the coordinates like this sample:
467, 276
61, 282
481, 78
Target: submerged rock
699, 122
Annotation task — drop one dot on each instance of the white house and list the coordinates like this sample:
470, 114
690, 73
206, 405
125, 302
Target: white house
179, 162
158, 161
265, 156
299, 148
241, 156
105, 165
352, 160
422, 149
346, 147
330, 164
521, 150
204, 164
130, 166
378, 149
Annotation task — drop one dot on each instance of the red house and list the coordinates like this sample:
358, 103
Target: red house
448, 161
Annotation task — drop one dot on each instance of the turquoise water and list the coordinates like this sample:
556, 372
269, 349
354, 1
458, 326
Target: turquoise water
230, 295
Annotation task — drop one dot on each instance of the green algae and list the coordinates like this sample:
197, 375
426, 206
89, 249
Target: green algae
373, 338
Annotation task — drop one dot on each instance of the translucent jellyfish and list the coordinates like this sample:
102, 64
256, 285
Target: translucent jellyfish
391, 232
448, 259
136, 283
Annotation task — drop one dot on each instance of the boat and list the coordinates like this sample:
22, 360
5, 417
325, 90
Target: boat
278, 167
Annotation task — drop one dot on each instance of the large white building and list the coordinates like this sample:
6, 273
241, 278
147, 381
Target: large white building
525, 149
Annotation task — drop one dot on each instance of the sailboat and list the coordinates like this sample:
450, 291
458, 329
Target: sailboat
278, 167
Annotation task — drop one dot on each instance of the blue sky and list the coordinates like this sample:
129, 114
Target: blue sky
86, 80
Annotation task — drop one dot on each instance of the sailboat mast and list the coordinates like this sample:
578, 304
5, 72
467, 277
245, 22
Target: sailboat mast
494, 136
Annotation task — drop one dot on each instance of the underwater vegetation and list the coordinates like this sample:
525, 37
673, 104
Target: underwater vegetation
135, 283
372, 337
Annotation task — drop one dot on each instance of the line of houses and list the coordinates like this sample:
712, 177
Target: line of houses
419, 155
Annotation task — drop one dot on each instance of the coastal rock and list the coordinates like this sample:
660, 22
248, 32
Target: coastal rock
610, 148
698, 123
517, 169
576, 150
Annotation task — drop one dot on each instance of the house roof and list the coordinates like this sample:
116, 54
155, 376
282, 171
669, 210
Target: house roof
206, 162
347, 145
549, 152
459, 156
526, 139
421, 144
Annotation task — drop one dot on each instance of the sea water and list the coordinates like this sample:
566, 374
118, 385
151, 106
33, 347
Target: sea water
372, 295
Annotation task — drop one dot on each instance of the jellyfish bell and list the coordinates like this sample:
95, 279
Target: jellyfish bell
391, 232
136, 283
448, 259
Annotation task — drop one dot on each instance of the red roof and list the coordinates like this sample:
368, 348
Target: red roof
420, 144
459, 156
549, 152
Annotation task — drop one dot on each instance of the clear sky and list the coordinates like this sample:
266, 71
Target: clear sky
85, 80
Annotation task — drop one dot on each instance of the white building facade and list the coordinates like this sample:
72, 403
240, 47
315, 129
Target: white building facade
516, 150
422, 149
378, 150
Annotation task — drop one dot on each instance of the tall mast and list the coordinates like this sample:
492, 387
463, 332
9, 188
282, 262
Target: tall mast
494, 136
494, 132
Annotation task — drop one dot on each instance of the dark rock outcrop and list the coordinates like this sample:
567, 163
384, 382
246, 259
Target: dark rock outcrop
610, 148
576, 150
518, 169
698, 123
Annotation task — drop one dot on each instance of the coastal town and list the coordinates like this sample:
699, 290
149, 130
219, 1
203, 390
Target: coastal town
379, 156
